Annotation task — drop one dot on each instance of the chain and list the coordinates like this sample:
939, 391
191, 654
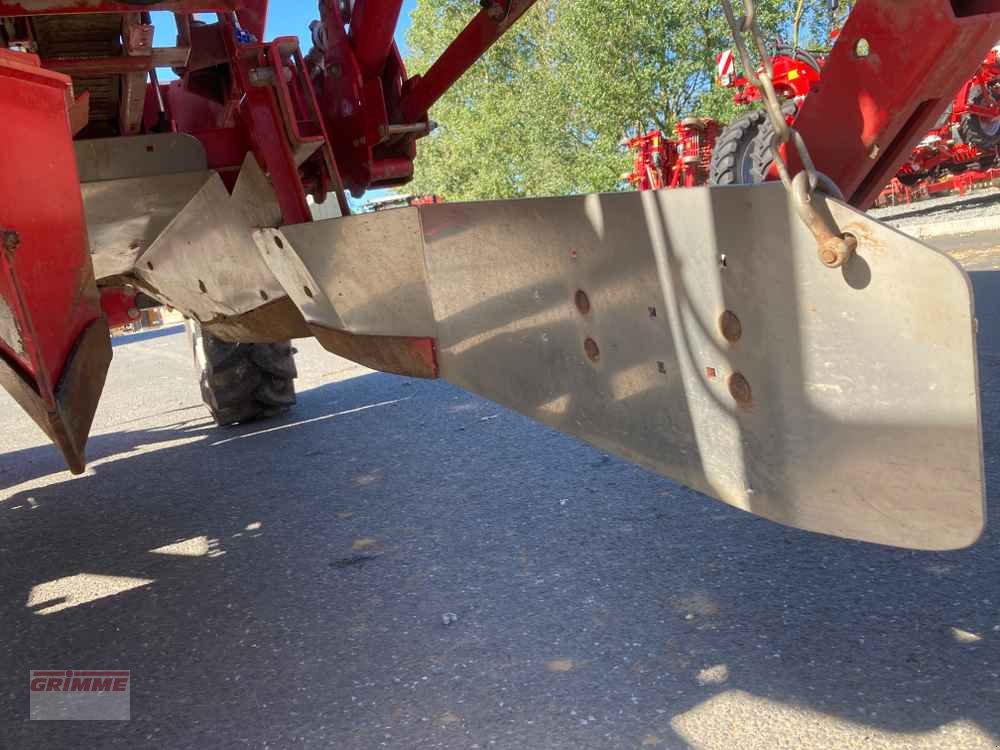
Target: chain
834, 247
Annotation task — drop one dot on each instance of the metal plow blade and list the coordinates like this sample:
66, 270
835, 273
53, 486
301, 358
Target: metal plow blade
693, 332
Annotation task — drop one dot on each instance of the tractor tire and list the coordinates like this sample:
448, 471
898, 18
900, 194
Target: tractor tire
732, 157
242, 382
760, 156
979, 132
910, 179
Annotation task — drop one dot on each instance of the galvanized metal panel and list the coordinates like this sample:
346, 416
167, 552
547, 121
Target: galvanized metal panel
124, 217
848, 404
299, 284
205, 262
371, 268
138, 156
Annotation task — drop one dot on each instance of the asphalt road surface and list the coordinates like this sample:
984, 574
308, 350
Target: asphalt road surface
283, 585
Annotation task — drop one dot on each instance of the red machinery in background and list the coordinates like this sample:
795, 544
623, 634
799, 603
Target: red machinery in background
967, 136
796, 72
686, 159
682, 161
965, 140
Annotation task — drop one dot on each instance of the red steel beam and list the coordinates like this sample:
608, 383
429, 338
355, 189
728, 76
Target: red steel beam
41, 7
483, 30
373, 23
54, 348
883, 87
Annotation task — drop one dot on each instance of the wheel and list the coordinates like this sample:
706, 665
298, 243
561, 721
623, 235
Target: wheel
910, 179
242, 382
732, 157
979, 131
760, 155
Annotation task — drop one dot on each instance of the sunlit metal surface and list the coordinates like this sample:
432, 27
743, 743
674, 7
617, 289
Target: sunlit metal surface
695, 333
847, 404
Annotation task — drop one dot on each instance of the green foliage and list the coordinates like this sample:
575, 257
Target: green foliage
545, 110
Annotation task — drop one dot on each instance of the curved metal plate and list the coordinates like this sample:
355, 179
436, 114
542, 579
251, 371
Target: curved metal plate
696, 333
847, 405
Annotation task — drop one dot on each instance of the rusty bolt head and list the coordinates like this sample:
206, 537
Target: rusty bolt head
730, 326
582, 301
11, 239
591, 349
739, 389
828, 257
133, 312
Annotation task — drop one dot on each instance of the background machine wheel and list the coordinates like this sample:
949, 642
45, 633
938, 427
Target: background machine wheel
241, 382
979, 131
732, 158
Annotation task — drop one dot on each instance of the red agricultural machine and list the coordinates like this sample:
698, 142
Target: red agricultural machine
704, 149
773, 347
681, 161
966, 137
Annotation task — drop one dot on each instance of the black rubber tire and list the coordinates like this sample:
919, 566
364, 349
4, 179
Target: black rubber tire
242, 382
760, 156
732, 157
972, 130
910, 179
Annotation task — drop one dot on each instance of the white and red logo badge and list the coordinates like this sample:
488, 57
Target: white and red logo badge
80, 694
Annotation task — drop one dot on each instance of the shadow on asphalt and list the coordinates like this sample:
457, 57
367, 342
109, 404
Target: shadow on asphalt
545, 549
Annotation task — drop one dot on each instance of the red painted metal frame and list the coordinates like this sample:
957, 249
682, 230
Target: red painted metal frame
482, 31
46, 277
39, 7
119, 306
870, 110
373, 23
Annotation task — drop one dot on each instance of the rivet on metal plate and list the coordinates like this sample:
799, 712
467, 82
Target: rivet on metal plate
730, 326
739, 389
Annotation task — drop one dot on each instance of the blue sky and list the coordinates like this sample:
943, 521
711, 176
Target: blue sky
285, 18
292, 17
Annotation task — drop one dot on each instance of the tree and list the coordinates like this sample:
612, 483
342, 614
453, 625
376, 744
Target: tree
544, 111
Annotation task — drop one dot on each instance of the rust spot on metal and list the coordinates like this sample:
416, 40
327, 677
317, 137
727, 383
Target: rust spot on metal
11, 240
582, 301
276, 320
592, 350
739, 389
710, 373
403, 355
730, 326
